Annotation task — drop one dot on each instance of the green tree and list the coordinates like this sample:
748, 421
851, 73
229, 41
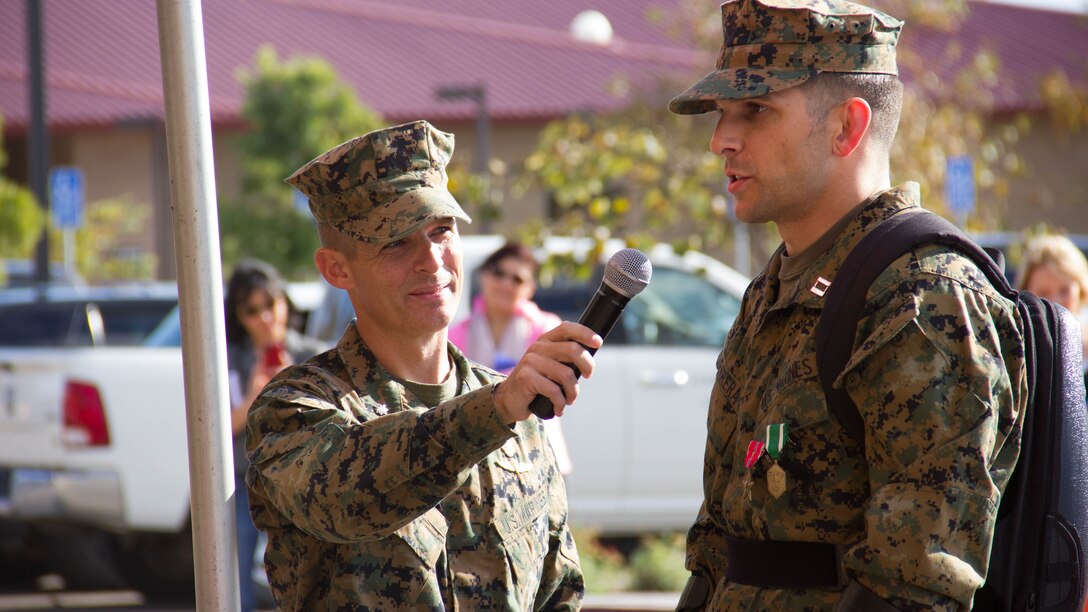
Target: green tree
643, 174
21, 218
295, 110
106, 247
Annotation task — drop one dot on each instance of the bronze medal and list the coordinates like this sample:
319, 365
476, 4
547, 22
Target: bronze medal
776, 442
776, 481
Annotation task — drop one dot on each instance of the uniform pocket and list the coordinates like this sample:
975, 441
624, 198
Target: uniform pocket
394, 571
816, 454
798, 397
885, 332
524, 533
522, 462
426, 537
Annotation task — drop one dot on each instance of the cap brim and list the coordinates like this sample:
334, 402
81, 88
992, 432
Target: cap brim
410, 212
735, 84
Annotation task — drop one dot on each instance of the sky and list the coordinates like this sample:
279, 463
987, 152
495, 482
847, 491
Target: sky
1080, 6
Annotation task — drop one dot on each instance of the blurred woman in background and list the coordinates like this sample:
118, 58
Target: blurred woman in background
260, 343
1054, 268
504, 321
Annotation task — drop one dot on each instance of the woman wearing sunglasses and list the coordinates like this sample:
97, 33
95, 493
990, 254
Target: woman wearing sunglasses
504, 321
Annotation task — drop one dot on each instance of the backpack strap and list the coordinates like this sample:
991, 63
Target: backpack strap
845, 298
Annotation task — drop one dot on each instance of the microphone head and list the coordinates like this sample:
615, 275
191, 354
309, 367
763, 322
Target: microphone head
628, 272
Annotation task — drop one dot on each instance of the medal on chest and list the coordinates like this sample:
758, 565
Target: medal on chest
777, 435
755, 451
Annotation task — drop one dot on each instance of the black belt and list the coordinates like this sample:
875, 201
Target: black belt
788, 565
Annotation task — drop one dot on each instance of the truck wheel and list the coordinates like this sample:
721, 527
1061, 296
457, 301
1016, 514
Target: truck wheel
159, 565
22, 554
86, 559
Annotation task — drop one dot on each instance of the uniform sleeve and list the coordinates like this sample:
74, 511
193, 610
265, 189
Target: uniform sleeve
941, 420
341, 480
706, 547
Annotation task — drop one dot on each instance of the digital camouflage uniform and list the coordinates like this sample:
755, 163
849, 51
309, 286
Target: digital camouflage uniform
938, 374
370, 499
940, 381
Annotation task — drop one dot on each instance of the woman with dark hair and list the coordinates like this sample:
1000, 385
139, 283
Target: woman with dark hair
504, 321
260, 343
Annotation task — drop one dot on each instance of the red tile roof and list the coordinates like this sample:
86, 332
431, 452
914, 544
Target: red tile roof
103, 66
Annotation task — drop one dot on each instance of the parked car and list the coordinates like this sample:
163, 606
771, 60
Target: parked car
22, 273
637, 432
49, 334
64, 315
93, 447
1010, 245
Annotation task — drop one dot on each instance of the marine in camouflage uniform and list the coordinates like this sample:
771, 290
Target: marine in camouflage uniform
941, 389
937, 373
378, 493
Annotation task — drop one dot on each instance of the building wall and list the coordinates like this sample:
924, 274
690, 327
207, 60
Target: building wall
130, 163
512, 143
1054, 188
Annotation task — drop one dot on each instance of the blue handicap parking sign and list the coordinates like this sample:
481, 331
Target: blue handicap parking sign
959, 185
66, 196
300, 201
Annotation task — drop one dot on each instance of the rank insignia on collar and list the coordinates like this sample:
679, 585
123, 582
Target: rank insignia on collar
820, 286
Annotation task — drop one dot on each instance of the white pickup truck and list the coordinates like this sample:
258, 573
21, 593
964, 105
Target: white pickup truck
93, 443
92, 431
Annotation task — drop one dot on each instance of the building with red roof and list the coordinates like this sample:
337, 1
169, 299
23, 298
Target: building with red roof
104, 104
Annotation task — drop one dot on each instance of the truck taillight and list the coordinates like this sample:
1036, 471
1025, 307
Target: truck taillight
84, 416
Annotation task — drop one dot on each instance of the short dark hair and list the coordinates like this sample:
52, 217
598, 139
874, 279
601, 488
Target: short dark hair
511, 250
883, 92
249, 277
334, 239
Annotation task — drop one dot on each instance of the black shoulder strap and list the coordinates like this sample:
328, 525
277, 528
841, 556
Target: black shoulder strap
845, 298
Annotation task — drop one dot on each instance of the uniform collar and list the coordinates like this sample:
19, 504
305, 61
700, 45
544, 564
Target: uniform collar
809, 291
880, 207
372, 381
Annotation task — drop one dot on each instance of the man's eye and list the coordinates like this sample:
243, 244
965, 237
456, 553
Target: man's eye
445, 228
756, 108
392, 244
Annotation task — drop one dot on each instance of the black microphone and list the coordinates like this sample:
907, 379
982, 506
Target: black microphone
627, 273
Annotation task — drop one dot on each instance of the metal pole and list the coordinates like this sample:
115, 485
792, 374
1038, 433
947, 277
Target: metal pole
483, 132
200, 285
38, 138
483, 156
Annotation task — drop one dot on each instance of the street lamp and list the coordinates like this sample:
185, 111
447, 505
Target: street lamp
475, 93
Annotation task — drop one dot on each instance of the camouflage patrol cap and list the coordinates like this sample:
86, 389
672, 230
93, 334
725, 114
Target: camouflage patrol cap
770, 45
383, 185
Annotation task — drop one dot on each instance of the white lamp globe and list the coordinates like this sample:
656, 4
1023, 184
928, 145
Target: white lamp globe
591, 27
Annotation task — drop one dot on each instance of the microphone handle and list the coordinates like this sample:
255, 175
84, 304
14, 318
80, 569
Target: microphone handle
600, 315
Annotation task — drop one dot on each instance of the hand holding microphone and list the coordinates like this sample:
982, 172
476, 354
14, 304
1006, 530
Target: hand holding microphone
627, 274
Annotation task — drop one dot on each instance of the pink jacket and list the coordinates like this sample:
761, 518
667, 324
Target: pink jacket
473, 337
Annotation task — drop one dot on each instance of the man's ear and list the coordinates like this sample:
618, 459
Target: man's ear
333, 266
853, 117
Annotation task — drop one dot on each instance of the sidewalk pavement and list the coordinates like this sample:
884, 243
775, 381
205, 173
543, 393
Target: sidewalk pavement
131, 601
627, 602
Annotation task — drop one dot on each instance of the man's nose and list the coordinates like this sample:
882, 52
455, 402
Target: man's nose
726, 138
430, 257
